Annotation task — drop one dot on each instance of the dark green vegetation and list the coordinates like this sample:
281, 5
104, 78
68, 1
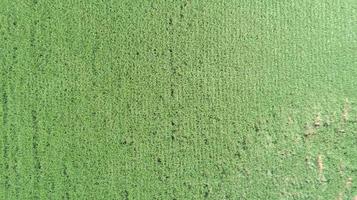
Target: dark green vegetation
236, 99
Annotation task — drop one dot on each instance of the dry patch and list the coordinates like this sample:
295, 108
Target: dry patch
348, 185
317, 121
320, 167
346, 110
340, 196
349, 182
320, 164
309, 130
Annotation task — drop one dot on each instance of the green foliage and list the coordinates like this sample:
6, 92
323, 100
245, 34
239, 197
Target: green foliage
178, 99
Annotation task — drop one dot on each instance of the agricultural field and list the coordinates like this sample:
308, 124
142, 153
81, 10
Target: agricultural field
178, 99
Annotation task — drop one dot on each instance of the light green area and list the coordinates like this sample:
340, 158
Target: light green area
124, 99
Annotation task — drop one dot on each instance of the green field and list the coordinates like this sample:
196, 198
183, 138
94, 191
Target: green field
178, 99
